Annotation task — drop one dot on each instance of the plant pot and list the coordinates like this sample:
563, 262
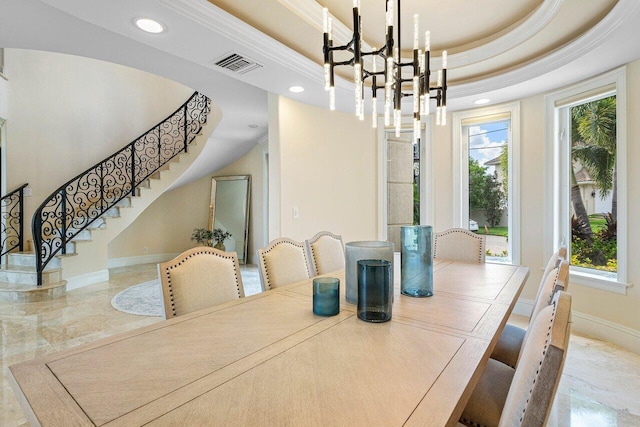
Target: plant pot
220, 246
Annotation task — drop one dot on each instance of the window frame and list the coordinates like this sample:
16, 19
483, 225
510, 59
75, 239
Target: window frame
461, 171
557, 193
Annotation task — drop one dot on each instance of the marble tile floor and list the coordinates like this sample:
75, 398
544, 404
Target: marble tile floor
599, 386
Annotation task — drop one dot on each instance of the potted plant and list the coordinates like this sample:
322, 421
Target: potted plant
219, 235
202, 236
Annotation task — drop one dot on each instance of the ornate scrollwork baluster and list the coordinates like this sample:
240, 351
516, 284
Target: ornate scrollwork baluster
12, 221
82, 200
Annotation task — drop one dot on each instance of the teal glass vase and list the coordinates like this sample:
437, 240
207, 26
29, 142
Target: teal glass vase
375, 289
326, 296
416, 261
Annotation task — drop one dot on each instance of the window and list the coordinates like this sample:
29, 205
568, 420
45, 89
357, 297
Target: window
586, 189
486, 147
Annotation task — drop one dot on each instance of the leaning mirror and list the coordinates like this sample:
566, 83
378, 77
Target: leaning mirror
229, 212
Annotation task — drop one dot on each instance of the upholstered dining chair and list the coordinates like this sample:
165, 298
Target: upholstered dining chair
509, 345
523, 396
326, 252
198, 278
283, 261
459, 244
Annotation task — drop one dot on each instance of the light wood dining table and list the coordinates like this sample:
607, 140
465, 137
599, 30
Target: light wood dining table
267, 360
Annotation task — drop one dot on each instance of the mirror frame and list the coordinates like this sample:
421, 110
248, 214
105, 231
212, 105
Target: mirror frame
247, 206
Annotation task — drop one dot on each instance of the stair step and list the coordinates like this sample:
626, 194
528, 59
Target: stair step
112, 212
28, 259
98, 223
84, 235
124, 203
24, 275
21, 293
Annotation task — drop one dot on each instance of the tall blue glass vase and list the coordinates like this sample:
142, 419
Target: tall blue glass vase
375, 289
416, 261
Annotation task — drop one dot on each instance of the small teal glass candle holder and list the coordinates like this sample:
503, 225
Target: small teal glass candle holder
326, 296
375, 289
416, 261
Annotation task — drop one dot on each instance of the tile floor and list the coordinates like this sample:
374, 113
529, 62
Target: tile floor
600, 385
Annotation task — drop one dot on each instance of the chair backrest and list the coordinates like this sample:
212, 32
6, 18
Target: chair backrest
555, 280
326, 252
459, 244
554, 260
538, 373
283, 261
198, 278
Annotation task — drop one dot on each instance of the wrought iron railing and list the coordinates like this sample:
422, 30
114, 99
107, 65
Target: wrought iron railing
83, 199
12, 221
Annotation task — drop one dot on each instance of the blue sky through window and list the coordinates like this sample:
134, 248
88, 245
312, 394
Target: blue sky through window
486, 141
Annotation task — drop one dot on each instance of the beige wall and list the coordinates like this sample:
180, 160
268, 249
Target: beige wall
328, 171
66, 113
165, 228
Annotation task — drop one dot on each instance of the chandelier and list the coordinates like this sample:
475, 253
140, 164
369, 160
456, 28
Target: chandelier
390, 76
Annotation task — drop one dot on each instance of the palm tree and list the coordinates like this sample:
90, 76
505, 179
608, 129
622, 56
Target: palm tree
594, 144
580, 209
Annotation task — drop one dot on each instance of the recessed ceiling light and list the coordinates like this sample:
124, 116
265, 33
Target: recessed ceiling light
149, 25
296, 89
482, 101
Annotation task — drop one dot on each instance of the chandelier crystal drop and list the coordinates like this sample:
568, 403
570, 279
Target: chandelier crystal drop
389, 78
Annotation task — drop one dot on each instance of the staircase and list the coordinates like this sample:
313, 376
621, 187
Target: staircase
87, 212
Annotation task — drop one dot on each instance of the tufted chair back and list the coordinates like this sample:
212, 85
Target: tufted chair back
283, 261
326, 252
539, 369
198, 278
459, 244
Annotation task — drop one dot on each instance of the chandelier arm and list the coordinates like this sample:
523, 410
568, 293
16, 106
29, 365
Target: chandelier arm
349, 62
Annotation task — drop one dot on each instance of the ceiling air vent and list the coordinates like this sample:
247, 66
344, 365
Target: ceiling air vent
236, 63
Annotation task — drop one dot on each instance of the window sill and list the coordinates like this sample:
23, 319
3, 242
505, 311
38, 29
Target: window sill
582, 277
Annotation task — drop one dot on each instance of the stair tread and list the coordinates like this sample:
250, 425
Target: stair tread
18, 287
27, 269
28, 253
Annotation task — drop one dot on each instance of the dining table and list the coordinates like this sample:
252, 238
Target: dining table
268, 360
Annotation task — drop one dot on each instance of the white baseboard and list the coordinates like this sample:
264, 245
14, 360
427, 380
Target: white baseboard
76, 282
103, 275
605, 330
144, 259
523, 307
593, 327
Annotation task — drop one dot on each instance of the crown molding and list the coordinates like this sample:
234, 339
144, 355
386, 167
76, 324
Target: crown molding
623, 12
521, 33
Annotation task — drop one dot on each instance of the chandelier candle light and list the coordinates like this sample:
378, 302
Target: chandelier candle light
391, 76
